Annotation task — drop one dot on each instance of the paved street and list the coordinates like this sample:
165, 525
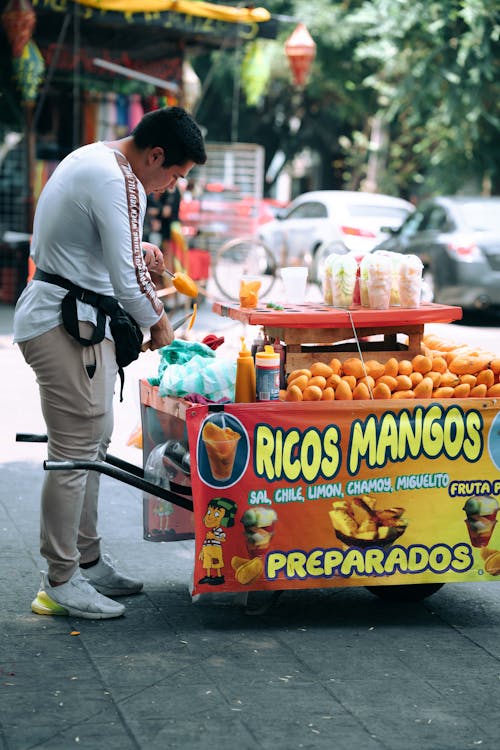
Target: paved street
333, 669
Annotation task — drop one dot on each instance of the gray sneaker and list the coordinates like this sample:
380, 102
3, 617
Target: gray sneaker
76, 597
109, 581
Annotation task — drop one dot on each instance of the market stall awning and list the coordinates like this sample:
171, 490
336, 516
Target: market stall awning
154, 26
227, 13
149, 36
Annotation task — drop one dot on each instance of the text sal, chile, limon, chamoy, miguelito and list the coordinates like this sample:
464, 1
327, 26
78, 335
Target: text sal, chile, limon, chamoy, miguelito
423, 432
373, 561
324, 490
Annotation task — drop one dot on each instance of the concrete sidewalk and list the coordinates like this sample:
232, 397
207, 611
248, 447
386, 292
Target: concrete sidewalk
333, 669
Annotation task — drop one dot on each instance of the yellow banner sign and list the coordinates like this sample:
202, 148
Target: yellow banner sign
352, 493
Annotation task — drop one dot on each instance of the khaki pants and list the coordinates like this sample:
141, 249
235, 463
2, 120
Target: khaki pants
78, 411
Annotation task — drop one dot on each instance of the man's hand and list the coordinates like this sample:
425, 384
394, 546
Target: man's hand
162, 333
153, 257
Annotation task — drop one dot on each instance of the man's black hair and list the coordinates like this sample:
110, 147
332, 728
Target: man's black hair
175, 131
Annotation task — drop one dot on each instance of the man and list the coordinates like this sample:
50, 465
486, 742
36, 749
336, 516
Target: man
88, 229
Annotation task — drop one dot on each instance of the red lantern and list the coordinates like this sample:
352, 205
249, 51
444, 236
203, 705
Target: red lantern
18, 20
300, 49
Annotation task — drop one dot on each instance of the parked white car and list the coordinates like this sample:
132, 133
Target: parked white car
322, 222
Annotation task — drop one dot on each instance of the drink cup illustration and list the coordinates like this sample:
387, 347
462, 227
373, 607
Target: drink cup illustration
259, 525
221, 444
481, 514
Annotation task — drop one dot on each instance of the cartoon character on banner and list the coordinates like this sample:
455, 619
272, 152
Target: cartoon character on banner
220, 515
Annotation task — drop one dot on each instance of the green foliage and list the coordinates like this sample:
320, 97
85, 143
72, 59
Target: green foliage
427, 69
436, 75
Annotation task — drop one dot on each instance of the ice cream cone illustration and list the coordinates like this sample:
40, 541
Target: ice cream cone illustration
481, 514
259, 526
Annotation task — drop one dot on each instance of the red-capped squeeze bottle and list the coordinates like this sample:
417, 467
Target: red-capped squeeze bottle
245, 388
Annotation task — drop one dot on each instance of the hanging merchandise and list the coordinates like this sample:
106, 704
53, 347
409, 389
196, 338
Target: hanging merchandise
111, 116
135, 111
90, 117
300, 49
29, 70
18, 20
101, 117
256, 71
191, 86
150, 103
122, 103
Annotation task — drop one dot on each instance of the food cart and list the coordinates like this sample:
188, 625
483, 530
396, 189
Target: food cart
399, 496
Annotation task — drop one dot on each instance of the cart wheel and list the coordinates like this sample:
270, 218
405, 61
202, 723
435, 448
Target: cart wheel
415, 592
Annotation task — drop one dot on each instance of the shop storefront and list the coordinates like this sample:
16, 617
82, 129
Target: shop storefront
77, 72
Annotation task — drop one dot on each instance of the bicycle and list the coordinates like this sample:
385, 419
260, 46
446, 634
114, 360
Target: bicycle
243, 256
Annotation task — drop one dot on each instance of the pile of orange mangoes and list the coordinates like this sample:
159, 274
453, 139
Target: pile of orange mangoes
442, 370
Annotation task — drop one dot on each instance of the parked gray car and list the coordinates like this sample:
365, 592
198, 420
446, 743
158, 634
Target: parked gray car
458, 241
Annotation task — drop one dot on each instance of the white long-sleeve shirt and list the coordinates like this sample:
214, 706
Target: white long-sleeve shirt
88, 229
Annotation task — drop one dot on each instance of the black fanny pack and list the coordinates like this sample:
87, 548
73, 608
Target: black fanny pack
126, 333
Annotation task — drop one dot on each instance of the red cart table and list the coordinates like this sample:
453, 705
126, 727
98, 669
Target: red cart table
396, 332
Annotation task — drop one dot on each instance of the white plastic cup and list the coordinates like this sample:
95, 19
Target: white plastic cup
379, 278
343, 291
379, 293
410, 281
295, 282
363, 293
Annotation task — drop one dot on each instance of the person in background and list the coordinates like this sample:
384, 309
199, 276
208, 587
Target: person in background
170, 210
88, 229
161, 213
188, 194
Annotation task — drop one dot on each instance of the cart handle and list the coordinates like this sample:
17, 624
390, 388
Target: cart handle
181, 489
28, 437
123, 476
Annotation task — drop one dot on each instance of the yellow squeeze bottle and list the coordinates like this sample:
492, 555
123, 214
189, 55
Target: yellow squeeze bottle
244, 392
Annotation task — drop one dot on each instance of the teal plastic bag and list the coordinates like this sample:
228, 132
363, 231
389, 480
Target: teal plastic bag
213, 378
